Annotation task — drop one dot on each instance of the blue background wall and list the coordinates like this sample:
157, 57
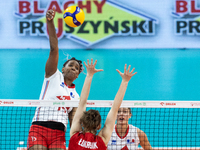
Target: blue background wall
163, 74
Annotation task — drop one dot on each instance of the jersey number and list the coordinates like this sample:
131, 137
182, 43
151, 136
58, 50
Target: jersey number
63, 98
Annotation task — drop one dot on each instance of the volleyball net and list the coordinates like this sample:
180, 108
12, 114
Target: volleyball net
167, 124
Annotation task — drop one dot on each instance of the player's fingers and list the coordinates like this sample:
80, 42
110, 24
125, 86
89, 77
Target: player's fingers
134, 74
125, 68
54, 8
91, 61
88, 61
98, 70
49, 16
50, 11
118, 71
95, 62
129, 68
132, 70
85, 64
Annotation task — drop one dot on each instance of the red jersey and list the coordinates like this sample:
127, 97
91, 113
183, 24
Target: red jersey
80, 141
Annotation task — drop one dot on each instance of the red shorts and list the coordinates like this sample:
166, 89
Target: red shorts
50, 138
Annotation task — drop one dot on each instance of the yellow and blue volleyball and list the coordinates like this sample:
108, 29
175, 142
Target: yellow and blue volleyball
73, 16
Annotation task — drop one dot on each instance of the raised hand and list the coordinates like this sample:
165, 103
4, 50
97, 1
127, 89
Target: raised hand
126, 76
91, 70
50, 14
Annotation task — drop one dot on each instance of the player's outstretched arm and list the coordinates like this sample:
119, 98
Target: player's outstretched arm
106, 132
144, 142
76, 126
52, 62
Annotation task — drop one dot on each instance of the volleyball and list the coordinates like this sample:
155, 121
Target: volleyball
73, 16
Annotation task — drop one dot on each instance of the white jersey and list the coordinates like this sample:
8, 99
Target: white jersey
54, 88
129, 142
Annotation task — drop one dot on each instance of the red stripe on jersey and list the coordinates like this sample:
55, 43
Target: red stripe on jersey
118, 133
37, 118
45, 90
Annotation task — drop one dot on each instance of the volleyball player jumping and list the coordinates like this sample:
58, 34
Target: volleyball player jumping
49, 124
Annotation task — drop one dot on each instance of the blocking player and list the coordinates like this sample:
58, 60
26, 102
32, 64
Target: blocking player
86, 123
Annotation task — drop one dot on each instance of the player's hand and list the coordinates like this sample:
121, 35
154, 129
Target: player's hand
91, 70
126, 76
50, 14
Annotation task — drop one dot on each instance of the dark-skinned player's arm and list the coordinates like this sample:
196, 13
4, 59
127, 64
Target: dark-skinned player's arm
52, 62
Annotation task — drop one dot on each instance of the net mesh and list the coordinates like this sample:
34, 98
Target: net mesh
168, 125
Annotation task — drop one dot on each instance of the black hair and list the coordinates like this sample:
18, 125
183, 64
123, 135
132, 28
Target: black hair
79, 62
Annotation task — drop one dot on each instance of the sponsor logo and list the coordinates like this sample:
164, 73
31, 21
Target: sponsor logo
133, 141
90, 103
187, 14
162, 103
62, 84
33, 138
63, 97
56, 103
102, 22
140, 104
34, 103
172, 104
6, 102
114, 142
62, 103
167, 104
72, 95
130, 141
64, 109
195, 104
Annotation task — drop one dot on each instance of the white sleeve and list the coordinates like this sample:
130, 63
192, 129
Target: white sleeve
53, 75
